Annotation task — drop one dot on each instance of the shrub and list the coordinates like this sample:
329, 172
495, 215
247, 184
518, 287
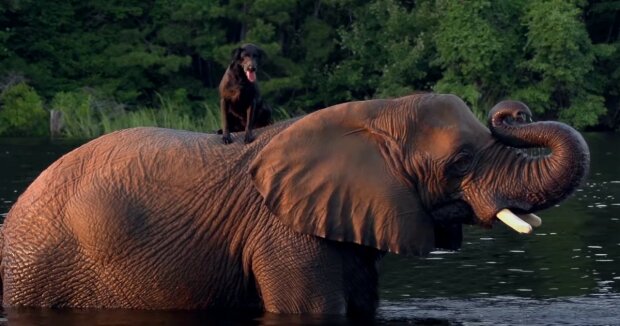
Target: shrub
21, 112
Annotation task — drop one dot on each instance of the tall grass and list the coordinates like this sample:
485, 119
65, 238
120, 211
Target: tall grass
86, 117
167, 116
280, 113
79, 118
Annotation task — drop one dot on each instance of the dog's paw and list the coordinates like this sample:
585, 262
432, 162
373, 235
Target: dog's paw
248, 138
227, 139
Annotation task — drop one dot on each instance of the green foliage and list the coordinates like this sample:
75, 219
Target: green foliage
21, 112
558, 56
477, 43
387, 52
584, 111
560, 47
562, 59
79, 118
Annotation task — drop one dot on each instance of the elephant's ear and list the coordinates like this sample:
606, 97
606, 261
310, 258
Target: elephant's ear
326, 175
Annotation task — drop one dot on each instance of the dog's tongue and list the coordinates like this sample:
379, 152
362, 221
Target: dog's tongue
251, 75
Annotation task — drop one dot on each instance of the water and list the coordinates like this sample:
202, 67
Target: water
567, 272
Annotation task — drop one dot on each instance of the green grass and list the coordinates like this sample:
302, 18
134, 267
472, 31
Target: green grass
165, 117
85, 116
83, 121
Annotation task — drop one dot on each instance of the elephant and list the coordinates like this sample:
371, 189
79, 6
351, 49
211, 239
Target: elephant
295, 222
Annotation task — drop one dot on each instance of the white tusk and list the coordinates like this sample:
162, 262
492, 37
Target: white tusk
531, 219
513, 221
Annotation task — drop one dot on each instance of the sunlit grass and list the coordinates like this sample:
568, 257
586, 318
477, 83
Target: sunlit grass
165, 117
86, 122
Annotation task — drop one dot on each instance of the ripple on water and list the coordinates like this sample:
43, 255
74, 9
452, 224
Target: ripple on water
519, 270
506, 310
443, 252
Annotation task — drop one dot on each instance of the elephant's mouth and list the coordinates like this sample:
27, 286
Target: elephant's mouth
522, 223
460, 212
448, 219
453, 212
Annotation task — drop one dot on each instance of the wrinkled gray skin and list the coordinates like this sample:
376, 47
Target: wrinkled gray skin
295, 222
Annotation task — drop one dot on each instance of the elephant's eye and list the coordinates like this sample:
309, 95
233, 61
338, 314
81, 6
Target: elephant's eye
461, 164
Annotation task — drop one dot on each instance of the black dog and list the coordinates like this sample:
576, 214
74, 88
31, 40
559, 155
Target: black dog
240, 102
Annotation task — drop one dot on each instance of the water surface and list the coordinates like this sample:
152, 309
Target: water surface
567, 272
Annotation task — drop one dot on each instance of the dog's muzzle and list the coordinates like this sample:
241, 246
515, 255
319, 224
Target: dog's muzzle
250, 73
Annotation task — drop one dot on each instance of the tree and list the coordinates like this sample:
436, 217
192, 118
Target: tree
477, 46
558, 56
560, 60
387, 52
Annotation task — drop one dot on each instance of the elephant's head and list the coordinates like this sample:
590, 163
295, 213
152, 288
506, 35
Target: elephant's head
403, 175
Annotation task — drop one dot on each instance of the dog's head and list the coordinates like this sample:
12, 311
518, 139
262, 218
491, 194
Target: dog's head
247, 56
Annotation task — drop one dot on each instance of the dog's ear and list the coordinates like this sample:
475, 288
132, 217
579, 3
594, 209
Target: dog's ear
236, 54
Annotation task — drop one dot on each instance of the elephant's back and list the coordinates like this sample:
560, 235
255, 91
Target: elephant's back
100, 158
117, 164
135, 157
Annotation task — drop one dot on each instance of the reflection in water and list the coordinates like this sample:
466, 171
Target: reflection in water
93, 317
567, 272
506, 310
32, 316
503, 310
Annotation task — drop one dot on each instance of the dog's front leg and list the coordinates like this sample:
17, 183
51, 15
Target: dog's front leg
224, 116
249, 137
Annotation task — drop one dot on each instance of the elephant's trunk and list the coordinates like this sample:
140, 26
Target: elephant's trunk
533, 183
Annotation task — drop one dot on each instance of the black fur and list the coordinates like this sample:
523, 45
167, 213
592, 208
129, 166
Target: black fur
240, 103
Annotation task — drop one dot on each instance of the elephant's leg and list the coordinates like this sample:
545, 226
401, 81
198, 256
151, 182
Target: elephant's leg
297, 273
361, 278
